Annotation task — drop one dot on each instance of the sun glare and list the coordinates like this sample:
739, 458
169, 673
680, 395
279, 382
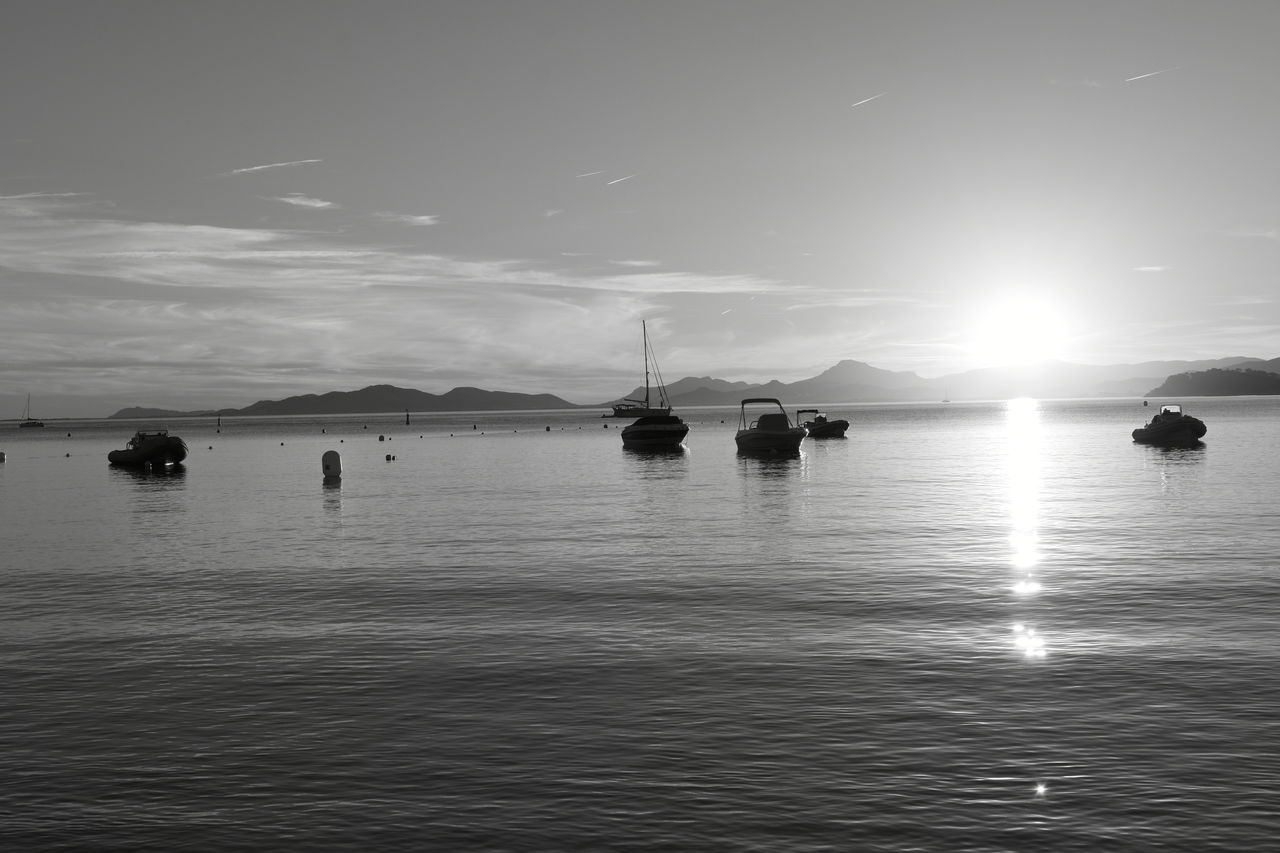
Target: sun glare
1018, 331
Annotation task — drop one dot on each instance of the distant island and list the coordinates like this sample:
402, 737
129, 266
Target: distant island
1219, 383
846, 382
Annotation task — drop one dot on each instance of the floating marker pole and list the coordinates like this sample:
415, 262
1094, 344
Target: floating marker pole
331, 464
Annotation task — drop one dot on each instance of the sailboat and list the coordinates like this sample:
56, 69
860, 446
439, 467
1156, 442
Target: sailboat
27, 420
629, 408
654, 428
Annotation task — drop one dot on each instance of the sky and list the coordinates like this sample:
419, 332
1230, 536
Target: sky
208, 204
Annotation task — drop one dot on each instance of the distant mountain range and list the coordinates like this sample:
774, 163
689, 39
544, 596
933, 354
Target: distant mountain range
847, 382
376, 398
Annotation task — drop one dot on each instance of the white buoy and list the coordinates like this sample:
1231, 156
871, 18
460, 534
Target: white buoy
331, 464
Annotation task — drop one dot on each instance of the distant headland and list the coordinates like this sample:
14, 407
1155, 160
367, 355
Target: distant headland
847, 382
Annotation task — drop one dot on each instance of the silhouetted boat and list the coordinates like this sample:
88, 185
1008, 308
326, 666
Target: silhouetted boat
628, 408
27, 420
150, 448
771, 432
1171, 426
655, 432
658, 428
820, 426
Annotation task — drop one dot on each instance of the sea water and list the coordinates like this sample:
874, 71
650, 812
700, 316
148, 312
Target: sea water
966, 626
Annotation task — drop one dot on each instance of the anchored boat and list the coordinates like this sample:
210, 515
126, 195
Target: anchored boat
1171, 427
154, 449
771, 432
655, 428
28, 421
628, 408
819, 426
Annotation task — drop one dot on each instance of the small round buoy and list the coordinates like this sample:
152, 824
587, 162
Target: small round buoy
68, 455
211, 447
282, 444
1, 455
548, 429
382, 438
606, 426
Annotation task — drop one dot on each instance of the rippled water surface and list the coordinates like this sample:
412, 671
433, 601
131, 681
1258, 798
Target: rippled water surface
964, 627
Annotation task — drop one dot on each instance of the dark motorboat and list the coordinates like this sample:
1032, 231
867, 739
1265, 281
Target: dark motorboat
819, 426
771, 432
655, 432
154, 449
1171, 427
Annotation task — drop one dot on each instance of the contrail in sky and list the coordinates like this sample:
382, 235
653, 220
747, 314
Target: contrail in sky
869, 100
1150, 74
620, 180
270, 166
589, 174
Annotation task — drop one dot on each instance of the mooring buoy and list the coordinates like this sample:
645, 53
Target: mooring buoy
331, 465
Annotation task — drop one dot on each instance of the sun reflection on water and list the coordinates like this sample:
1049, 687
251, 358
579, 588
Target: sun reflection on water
1024, 437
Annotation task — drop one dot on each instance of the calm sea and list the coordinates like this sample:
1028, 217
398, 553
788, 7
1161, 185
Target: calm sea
965, 627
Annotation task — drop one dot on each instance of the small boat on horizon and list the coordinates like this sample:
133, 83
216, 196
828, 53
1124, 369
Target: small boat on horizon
28, 421
155, 449
771, 432
654, 429
1171, 427
819, 426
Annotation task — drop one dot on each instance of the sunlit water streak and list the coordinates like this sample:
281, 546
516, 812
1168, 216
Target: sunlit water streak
966, 627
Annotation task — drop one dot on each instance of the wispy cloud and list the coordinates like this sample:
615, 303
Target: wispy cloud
106, 289
637, 263
263, 168
409, 218
300, 200
1150, 269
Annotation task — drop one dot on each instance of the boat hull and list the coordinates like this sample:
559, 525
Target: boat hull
827, 429
1186, 430
152, 452
621, 411
770, 441
661, 431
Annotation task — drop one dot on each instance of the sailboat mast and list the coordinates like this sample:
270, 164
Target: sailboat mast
644, 331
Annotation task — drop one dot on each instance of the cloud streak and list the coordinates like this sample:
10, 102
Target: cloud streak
300, 200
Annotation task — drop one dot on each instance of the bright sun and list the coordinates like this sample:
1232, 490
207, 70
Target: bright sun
1018, 331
